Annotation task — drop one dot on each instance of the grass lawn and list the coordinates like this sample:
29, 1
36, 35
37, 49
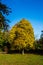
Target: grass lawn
19, 59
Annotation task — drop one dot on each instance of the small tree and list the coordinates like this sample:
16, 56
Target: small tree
41, 40
38, 45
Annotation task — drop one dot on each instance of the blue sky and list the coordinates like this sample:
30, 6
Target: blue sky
31, 10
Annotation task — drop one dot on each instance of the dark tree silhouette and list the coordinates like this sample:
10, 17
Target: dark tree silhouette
41, 40
4, 10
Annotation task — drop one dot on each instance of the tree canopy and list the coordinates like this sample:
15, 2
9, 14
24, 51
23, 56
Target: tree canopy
22, 35
4, 10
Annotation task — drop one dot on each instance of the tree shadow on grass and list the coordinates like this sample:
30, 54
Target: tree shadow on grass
36, 52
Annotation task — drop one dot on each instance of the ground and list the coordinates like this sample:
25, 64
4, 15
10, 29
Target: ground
19, 59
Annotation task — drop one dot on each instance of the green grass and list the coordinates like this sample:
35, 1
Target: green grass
19, 59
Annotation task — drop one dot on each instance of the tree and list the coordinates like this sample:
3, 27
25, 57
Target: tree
4, 43
41, 40
1, 38
3, 21
22, 35
39, 43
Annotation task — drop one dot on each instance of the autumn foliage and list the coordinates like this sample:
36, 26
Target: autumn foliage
22, 35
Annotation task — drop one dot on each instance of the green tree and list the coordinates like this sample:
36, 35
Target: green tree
38, 44
4, 10
4, 43
4, 22
22, 35
41, 40
1, 38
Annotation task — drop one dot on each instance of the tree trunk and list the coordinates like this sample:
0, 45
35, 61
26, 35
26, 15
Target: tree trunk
23, 51
5, 49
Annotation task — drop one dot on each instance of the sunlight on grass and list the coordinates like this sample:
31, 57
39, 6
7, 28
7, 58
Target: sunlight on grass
18, 59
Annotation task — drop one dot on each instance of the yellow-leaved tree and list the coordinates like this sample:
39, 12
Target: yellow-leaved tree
22, 35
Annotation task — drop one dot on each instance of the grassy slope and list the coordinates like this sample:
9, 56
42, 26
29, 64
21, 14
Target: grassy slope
18, 59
